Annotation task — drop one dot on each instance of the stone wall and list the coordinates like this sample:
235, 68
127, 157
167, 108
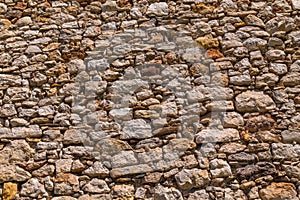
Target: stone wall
162, 100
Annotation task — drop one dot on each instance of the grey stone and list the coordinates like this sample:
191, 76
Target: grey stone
199, 194
97, 170
33, 49
219, 168
158, 9
291, 79
33, 188
167, 193
136, 129
233, 120
243, 79
278, 68
275, 55
96, 186
253, 20
24, 21
296, 4
216, 135
46, 110
13, 173
8, 110
3, 8
251, 101
285, 151
124, 158
194, 178
290, 136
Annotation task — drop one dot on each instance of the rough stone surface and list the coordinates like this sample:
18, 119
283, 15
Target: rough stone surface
151, 99
252, 101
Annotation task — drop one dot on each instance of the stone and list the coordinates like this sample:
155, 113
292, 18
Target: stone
252, 172
96, 186
290, 136
130, 170
199, 194
46, 110
38, 79
296, 4
242, 157
73, 136
161, 192
233, 120
3, 8
33, 49
214, 54
158, 9
24, 21
208, 42
278, 68
33, 188
252, 101
194, 178
13, 173
253, 20
123, 192
136, 129
231, 148
8, 110
276, 24
280, 190
63, 165
285, 151
219, 168
241, 80
253, 44
18, 93
66, 184
18, 122
64, 198
17, 152
291, 79
215, 135
275, 55
124, 158
9, 190
260, 123
97, 170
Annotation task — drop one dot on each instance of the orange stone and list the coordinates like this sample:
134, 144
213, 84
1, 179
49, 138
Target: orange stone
214, 54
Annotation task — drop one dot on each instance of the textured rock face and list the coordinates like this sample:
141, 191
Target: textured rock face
150, 99
279, 191
252, 101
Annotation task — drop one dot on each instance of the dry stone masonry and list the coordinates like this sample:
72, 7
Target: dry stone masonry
150, 99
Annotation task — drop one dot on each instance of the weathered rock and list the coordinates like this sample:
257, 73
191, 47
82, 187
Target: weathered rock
278, 68
219, 168
215, 135
3, 8
13, 173
252, 101
279, 190
285, 151
195, 178
291, 79
200, 194
233, 120
96, 186
8, 110
275, 55
161, 192
290, 136
158, 9
252, 172
33, 188
123, 192
97, 170
9, 191
253, 20
208, 42
136, 129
